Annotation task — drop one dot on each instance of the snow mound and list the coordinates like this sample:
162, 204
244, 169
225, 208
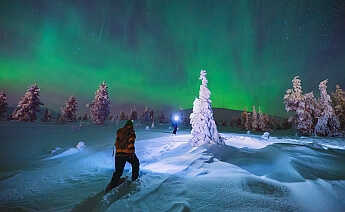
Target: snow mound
55, 149
266, 135
240, 141
79, 147
330, 143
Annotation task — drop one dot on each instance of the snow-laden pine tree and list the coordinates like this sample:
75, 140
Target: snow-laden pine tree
58, 119
85, 117
254, 119
152, 115
338, 102
134, 114
69, 112
204, 128
146, 115
305, 107
123, 116
293, 96
268, 122
327, 124
47, 116
161, 117
3, 104
245, 118
28, 105
261, 121
100, 105
183, 117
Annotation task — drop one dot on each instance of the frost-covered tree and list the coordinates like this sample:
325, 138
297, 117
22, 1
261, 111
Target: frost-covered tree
134, 114
338, 102
123, 116
327, 124
3, 104
305, 107
58, 119
261, 121
232, 122
245, 118
268, 122
204, 128
152, 115
47, 116
69, 111
28, 105
184, 119
146, 115
161, 117
100, 105
308, 111
238, 122
286, 124
85, 117
276, 123
254, 119
293, 96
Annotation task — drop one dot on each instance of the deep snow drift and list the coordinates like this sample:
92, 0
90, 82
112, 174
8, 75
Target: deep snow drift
50, 167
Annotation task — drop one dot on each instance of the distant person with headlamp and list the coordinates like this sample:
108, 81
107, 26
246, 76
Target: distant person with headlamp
174, 124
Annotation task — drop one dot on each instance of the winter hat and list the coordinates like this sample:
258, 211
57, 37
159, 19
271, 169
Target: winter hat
129, 123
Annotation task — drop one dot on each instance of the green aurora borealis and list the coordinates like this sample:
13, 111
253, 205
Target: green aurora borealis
151, 52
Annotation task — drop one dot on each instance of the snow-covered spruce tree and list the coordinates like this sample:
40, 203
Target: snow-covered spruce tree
286, 124
327, 124
69, 111
310, 111
28, 105
305, 107
204, 128
338, 102
183, 117
181, 112
152, 115
99, 107
58, 118
85, 117
268, 122
47, 116
123, 116
261, 121
254, 119
161, 117
245, 118
146, 115
276, 122
134, 114
3, 104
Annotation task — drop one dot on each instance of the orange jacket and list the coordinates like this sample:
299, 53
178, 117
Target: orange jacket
130, 145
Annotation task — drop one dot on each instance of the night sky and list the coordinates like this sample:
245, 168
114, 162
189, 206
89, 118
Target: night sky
151, 52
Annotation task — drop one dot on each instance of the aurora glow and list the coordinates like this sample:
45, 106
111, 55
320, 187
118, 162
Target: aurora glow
151, 52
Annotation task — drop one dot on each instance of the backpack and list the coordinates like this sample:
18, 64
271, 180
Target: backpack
122, 137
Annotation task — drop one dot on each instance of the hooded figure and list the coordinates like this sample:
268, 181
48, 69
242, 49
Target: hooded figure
125, 152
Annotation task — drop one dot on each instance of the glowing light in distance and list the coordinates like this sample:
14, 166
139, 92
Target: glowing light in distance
176, 118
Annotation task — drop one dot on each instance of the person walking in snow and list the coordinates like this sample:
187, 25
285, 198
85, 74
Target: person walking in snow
125, 152
174, 124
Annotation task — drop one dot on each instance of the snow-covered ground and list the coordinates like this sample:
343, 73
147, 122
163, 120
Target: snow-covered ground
50, 167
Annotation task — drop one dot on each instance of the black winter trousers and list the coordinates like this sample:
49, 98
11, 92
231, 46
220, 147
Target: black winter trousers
120, 162
175, 130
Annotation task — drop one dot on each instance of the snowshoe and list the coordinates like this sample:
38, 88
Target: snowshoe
109, 186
